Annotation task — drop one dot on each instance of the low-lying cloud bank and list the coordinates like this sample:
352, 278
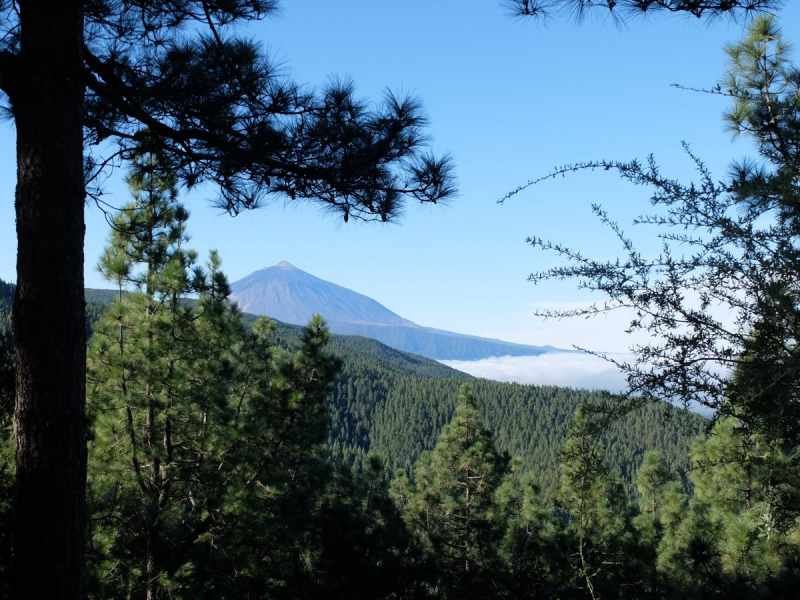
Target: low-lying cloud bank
568, 369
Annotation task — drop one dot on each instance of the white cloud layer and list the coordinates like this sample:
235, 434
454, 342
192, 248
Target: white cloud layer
572, 369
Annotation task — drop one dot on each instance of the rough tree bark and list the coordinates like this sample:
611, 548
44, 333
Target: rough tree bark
46, 88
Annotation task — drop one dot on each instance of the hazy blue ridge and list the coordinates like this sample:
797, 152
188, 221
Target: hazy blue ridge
440, 345
290, 295
346, 346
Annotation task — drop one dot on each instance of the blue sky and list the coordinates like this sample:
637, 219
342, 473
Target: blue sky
510, 100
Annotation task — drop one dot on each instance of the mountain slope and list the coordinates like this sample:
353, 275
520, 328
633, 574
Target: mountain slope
393, 404
288, 294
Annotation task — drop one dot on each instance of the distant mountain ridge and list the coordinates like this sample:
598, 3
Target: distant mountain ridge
288, 294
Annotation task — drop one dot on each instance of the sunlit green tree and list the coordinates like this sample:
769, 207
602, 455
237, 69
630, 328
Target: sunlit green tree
601, 546
448, 503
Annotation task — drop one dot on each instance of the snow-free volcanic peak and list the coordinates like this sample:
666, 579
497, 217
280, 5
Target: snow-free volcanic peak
291, 295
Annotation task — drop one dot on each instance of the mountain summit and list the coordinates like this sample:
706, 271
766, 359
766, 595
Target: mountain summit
291, 295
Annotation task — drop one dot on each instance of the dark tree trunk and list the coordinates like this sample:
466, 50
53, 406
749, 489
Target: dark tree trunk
49, 309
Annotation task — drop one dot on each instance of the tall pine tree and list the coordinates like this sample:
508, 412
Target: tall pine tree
448, 503
206, 445
90, 82
161, 376
599, 538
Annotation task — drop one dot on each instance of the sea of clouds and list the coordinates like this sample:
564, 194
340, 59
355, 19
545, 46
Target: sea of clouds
570, 369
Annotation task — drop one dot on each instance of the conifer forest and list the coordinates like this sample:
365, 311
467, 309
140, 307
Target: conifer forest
158, 442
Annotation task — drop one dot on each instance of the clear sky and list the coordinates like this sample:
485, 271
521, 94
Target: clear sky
510, 100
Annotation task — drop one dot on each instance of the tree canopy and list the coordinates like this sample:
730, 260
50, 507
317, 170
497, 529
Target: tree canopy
90, 84
179, 80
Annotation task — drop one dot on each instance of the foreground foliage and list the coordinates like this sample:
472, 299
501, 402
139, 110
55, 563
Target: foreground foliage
214, 472
211, 477
721, 304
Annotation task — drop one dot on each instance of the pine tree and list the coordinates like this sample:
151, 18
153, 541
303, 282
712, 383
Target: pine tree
207, 446
739, 535
89, 83
736, 536
659, 496
160, 381
746, 259
448, 504
651, 478
281, 432
620, 9
364, 548
598, 534
528, 552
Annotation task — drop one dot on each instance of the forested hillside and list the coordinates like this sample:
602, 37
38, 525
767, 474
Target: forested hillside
396, 416
393, 405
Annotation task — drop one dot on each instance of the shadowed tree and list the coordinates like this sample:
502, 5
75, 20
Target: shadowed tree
600, 547
364, 549
528, 553
7, 372
737, 537
87, 84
